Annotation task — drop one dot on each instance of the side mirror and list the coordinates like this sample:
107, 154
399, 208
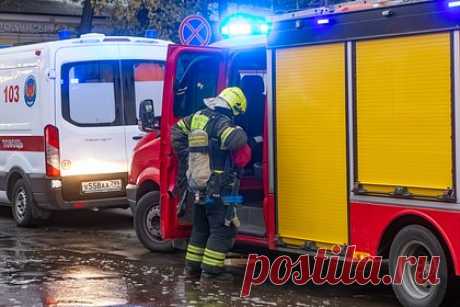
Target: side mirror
147, 120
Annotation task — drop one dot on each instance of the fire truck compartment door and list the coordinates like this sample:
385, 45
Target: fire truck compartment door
311, 144
404, 115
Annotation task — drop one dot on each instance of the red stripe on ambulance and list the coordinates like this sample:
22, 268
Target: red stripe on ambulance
22, 143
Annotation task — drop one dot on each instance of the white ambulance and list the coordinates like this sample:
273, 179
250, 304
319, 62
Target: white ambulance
68, 121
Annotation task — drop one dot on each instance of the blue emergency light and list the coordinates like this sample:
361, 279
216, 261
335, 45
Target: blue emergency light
243, 25
454, 4
64, 34
323, 21
151, 33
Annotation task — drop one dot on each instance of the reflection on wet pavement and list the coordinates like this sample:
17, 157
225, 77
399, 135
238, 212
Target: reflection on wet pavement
94, 259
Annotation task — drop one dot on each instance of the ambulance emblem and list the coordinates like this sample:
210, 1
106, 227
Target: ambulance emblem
30, 91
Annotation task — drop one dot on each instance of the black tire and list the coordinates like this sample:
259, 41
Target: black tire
23, 207
416, 241
147, 223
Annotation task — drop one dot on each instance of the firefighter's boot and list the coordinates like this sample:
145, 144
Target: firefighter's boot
193, 260
220, 277
220, 240
198, 240
192, 272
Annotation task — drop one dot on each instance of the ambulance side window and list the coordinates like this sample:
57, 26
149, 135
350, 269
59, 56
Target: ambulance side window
196, 79
144, 80
89, 93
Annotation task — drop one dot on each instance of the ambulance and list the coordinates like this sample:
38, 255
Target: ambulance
68, 121
360, 137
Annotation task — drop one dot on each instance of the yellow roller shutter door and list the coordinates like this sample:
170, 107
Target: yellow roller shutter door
311, 144
404, 114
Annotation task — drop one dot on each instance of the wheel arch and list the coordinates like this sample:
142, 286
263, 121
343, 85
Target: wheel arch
145, 187
13, 176
148, 180
415, 218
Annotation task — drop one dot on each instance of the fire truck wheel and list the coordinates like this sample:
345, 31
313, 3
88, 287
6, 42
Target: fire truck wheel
419, 241
25, 212
147, 223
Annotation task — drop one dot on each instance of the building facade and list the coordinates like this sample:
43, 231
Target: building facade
32, 21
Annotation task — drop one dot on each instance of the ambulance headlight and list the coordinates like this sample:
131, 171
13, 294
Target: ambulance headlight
243, 25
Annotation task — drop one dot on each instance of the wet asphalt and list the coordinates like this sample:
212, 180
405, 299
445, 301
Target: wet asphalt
85, 258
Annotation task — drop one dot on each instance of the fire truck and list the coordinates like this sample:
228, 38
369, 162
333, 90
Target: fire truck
356, 111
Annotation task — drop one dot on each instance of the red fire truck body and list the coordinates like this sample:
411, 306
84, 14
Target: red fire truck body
358, 136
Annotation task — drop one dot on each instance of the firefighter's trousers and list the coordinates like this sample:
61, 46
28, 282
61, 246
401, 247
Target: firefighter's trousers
210, 239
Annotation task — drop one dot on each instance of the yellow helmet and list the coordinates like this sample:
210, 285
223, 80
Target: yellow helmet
235, 98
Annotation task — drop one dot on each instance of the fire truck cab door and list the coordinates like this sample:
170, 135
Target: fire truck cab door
192, 74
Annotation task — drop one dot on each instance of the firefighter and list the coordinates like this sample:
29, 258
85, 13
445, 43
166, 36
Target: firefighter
203, 142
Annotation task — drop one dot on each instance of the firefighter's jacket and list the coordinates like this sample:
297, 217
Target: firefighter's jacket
222, 132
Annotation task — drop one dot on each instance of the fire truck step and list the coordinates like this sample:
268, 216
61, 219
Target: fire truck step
252, 221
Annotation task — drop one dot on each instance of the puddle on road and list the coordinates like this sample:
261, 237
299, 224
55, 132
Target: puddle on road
63, 278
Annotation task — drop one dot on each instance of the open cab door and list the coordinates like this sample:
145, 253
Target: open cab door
191, 74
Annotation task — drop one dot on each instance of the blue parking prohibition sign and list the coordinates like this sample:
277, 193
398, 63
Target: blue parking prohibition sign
194, 30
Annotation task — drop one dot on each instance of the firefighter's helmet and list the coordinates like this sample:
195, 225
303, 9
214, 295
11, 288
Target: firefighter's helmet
235, 98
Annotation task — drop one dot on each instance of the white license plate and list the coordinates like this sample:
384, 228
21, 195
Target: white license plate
101, 186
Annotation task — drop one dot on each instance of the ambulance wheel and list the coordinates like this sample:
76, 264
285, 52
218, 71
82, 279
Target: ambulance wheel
147, 223
25, 212
419, 241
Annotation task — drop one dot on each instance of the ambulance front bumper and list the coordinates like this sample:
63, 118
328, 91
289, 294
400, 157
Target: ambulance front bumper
48, 194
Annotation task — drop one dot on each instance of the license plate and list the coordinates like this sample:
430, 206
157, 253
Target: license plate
101, 186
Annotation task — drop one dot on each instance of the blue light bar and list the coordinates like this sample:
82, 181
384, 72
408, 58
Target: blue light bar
454, 4
151, 33
323, 21
237, 28
264, 28
244, 25
64, 34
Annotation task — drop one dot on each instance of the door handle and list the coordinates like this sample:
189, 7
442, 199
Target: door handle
137, 137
